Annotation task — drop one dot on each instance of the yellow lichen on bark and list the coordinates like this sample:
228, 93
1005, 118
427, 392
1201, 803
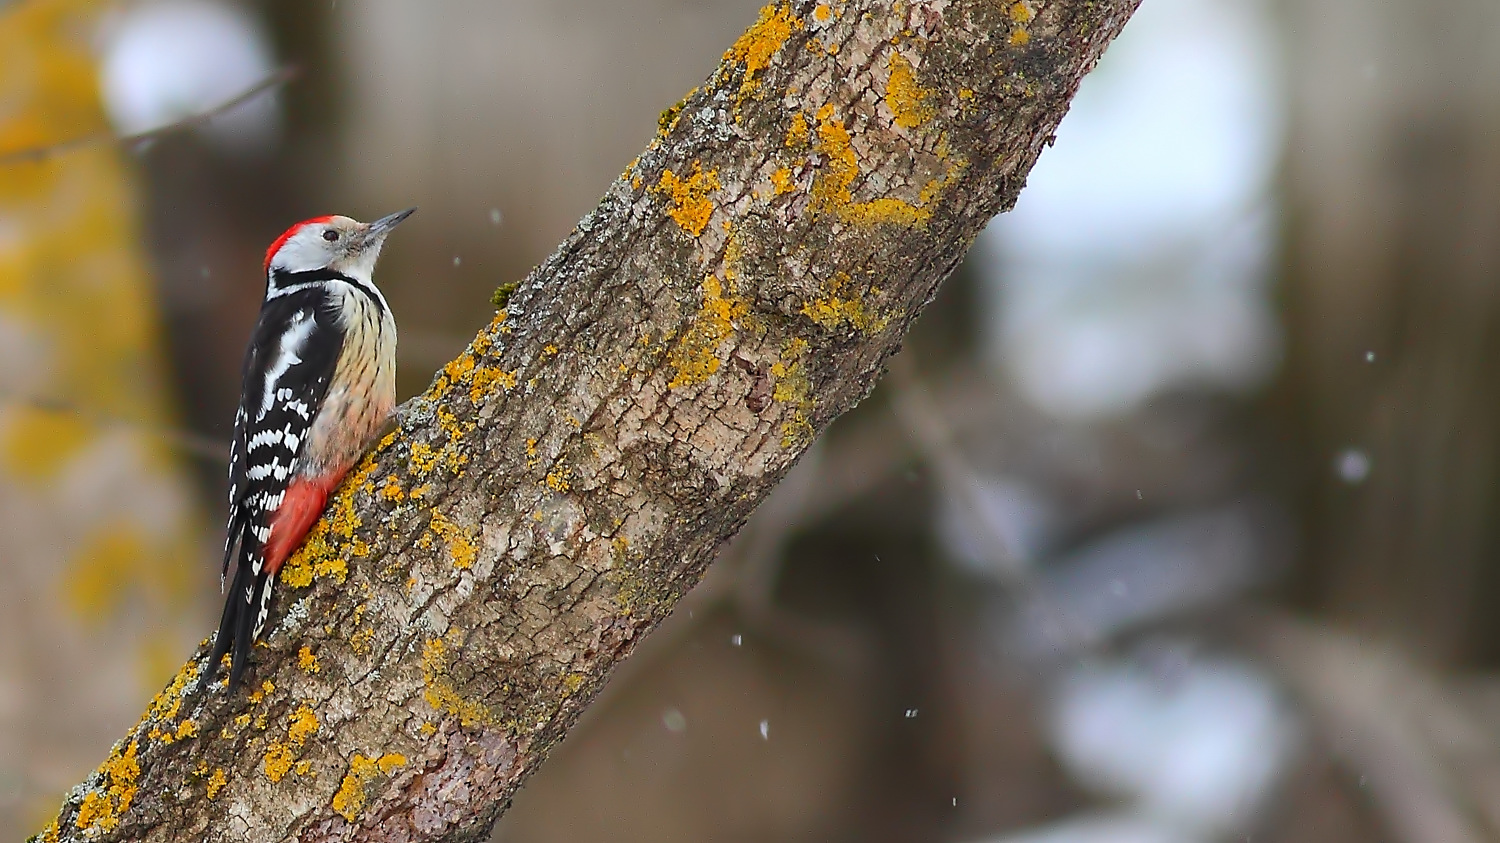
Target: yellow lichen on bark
688, 197
101, 809
831, 189
793, 389
836, 309
462, 548
439, 691
302, 725
307, 660
910, 103
781, 180
762, 41
278, 761
797, 135
1021, 14
486, 377
350, 798
696, 356
216, 782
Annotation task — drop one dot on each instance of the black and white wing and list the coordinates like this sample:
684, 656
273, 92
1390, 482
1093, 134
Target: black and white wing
288, 366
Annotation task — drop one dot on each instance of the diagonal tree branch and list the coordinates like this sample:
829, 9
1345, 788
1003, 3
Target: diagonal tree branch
571, 475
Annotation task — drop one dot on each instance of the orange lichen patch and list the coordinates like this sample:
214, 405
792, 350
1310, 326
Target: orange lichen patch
313, 562
423, 458
690, 205
101, 809
391, 489
278, 761
831, 187
307, 660
696, 356
1021, 14
797, 135
462, 548
440, 692
781, 180
762, 41
320, 554
259, 694
216, 782
362, 642
350, 798
908, 100
836, 310
302, 725
165, 706
486, 377
822, 14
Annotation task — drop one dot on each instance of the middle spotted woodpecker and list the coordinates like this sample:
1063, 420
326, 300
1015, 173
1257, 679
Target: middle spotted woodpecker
319, 383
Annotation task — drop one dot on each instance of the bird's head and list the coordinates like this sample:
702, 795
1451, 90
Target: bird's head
334, 244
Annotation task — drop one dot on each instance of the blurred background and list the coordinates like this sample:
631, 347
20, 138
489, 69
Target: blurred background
1174, 521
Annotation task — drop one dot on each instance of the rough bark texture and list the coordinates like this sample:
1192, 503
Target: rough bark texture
563, 482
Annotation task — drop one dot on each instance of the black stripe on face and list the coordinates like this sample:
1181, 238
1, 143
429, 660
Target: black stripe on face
282, 280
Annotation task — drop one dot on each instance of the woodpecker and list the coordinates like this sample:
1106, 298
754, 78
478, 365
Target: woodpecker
318, 384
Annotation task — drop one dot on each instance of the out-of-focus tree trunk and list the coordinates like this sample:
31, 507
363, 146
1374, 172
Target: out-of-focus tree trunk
1393, 186
568, 478
97, 535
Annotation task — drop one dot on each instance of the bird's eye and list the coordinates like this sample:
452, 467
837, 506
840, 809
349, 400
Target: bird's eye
330, 235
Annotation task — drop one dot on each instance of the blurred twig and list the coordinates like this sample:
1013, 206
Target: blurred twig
41, 153
1431, 767
195, 444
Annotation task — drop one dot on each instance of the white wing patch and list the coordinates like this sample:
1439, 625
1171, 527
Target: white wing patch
287, 356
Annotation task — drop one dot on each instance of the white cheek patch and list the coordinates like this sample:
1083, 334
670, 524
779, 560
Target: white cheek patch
304, 251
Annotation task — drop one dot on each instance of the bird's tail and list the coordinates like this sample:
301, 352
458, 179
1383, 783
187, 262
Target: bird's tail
244, 611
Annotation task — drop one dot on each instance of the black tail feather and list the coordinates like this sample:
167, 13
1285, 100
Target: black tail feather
237, 625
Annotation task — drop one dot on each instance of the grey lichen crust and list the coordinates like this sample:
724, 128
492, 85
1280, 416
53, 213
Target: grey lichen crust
558, 487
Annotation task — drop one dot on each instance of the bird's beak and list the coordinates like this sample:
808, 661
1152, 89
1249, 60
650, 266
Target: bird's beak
377, 230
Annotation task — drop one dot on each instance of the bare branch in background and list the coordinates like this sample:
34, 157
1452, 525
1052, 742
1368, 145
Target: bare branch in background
40, 153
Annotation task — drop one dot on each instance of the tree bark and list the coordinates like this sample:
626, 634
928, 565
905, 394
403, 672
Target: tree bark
544, 504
